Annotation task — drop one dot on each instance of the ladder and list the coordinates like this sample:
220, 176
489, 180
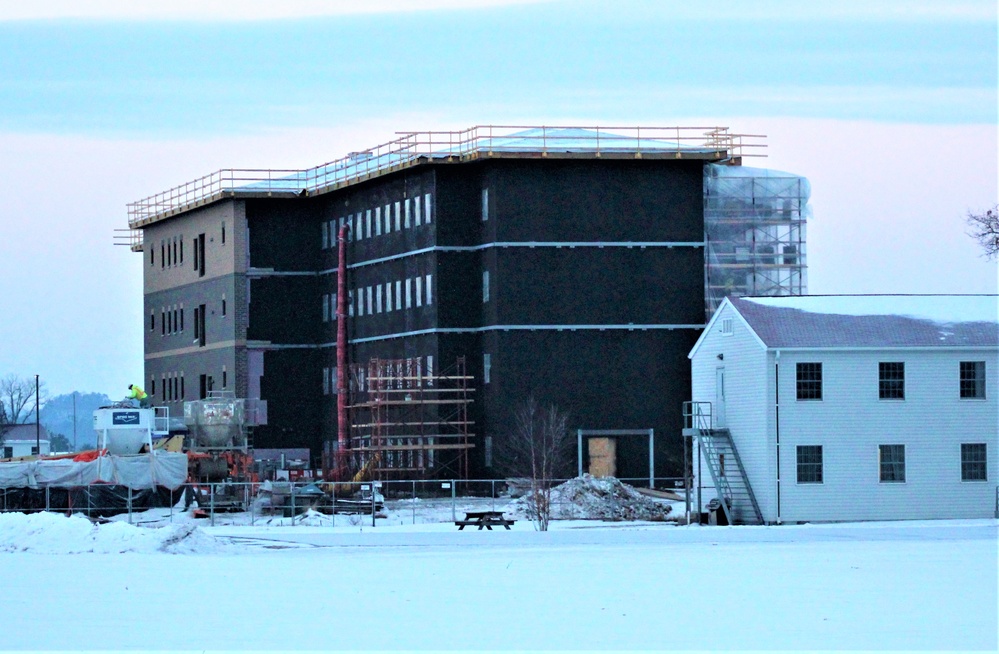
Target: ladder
735, 493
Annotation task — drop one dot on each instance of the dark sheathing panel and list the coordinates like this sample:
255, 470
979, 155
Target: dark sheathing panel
292, 387
603, 380
598, 286
597, 200
283, 234
285, 310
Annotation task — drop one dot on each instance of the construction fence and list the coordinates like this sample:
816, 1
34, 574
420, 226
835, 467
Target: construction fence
341, 504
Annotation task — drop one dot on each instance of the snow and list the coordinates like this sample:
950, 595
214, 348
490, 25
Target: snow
942, 309
52, 533
584, 585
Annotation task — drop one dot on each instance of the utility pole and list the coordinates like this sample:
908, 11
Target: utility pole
38, 432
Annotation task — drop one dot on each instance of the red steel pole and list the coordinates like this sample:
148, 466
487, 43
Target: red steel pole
342, 361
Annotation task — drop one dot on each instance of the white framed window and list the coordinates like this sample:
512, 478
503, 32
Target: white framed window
485, 286
972, 380
417, 214
809, 464
808, 380
891, 380
367, 222
405, 217
378, 221
974, 458
430, 295
419, 291
409, 297
388, 218
378, 298
426, 208
485, 204
398, 295
487, 368
388, 296
370, 304
398, 216
891, 461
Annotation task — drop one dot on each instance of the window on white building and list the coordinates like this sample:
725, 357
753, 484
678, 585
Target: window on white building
974, 462
809, 464
809, 381
972, 380
891, 380
891, 460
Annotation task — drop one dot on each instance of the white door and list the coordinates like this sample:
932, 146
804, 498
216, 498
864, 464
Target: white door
719, 398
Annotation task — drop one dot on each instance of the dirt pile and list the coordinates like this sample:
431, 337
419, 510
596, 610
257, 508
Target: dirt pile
598, 498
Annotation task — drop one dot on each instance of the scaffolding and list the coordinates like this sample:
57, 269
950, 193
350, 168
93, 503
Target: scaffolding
754, 230
410, 421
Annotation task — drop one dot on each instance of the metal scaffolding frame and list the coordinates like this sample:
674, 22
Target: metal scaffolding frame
416, 422
754, 231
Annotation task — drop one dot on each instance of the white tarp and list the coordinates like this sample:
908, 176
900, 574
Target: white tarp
168, 469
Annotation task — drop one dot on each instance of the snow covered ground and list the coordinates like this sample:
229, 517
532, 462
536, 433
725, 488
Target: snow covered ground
582, 586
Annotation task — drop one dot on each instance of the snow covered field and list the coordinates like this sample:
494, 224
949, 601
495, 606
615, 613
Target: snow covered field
582, 586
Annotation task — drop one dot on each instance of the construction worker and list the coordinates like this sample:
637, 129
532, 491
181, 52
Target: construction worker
139, 395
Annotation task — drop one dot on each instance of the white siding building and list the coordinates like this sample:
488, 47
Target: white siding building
851, 407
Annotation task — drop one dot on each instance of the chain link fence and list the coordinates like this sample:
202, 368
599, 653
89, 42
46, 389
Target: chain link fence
312, 503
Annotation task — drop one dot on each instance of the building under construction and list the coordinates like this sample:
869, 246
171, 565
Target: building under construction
573, 265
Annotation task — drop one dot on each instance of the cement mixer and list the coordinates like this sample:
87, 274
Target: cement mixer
217, 422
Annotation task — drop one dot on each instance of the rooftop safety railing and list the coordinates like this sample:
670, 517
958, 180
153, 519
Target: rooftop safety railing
412, 147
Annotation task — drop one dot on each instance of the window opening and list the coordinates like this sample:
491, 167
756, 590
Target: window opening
891, 380
892, 463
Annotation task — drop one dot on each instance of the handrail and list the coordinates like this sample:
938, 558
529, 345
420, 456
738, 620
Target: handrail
410, 147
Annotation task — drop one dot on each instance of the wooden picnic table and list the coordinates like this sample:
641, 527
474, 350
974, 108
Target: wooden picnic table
487, 519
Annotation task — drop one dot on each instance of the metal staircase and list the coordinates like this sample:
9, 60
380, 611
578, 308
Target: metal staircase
724, 464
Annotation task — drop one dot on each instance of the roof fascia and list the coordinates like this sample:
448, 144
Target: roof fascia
718, 312
885, 348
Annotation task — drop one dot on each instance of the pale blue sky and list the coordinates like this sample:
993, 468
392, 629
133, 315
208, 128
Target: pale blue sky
890, 109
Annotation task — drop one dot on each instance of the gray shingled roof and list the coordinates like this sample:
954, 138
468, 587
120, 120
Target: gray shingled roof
874, 321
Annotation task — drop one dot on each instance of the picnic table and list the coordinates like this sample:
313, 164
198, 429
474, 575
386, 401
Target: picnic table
487, 519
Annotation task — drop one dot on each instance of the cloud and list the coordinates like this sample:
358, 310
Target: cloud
228, 10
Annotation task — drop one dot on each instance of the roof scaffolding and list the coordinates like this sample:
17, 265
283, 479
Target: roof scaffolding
754, 228
414, 148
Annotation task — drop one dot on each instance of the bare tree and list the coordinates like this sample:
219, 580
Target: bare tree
985, 229
540, 449
17, 398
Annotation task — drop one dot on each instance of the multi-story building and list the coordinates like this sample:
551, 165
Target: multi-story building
484, 267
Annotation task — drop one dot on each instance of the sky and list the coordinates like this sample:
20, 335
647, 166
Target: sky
889, 109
